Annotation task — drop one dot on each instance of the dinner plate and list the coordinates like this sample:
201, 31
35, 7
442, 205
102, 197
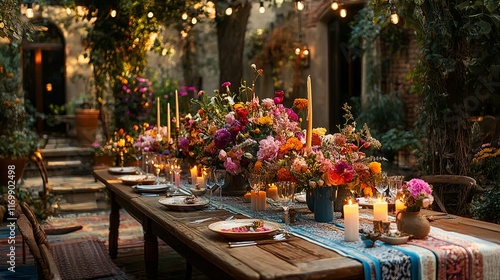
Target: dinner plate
122, 170
150, 188
177, 203
138, 179
300, 197
222, 228
394, 240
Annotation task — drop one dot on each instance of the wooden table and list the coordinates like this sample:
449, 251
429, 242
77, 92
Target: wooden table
210, 253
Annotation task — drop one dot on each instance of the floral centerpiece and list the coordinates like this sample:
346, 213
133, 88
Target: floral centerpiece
239, 132
417, 194
152, 139
118, 148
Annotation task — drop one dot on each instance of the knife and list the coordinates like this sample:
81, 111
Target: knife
251, 243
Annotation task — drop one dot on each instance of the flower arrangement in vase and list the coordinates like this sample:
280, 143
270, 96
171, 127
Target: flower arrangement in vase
416, 194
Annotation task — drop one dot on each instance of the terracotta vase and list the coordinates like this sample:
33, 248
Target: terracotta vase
323, 204
87, 123
107, 160
413, 224
16, 168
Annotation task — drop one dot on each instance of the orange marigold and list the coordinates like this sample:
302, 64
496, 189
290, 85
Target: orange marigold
300, 103
284, 174
375, 167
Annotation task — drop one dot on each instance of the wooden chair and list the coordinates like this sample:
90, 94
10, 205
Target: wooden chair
72, 260
452, 193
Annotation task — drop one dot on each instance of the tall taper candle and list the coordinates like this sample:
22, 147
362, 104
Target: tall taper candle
158, 114
169, 122
177, 123
309, 114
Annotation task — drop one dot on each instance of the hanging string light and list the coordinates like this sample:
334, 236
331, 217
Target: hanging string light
394, 14
184, 16
29, 11
112, 13
151, 15
335, 5
229, 11
262, 9
343, 12
299, 5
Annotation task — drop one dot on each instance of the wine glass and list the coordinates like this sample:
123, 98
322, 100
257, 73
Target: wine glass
210, 184
220, 179
395, 183
381, 184
138, 158
286, 191
158, 164
257, 183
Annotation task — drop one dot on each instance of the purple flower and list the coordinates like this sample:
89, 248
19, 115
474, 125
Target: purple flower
418, 187
226, 84
222, 138
345, 170
183, 144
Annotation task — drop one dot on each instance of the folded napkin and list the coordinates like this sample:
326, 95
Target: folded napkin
150, 188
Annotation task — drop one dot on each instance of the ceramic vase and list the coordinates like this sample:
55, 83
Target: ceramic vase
310, 198
323, 204
413, 224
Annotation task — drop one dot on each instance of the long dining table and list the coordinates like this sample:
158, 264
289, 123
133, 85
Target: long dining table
315, 251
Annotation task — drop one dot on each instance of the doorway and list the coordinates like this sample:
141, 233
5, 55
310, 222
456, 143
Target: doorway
44, 75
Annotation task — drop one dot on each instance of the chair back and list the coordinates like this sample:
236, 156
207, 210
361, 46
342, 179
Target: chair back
39, 233
26, 229
452, 193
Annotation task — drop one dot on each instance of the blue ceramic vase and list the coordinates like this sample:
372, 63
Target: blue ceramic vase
323, 204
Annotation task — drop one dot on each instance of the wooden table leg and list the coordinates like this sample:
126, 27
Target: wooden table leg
150, 251
114, 224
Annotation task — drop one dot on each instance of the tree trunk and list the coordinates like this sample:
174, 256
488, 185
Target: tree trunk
231, 40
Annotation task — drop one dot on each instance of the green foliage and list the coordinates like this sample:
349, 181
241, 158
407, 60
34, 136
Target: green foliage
17, 139
486, 207
11, 25
460, 60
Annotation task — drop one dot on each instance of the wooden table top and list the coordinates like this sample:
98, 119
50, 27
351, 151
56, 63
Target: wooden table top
295, 258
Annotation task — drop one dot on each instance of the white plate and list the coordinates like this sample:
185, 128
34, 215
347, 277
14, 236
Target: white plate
222, 226
122, 170
150, 188
394, 240
177, 203
138, 179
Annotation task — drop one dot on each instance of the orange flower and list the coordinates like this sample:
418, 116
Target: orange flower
375, 167
332, 178
292, 144
284, 174
257, 166
300, 103
136, 127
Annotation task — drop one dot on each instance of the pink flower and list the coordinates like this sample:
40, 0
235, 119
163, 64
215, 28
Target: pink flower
269, 148
267, 103
230, 166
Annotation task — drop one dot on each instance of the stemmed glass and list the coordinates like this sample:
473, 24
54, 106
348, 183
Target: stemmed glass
158, 164
220, 179
381, 185
138, 158
257, 183
395, 183
210, 184
286, 191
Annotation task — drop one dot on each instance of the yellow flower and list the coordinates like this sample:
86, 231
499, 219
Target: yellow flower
265, 120
320, 131
121, 143
375, 167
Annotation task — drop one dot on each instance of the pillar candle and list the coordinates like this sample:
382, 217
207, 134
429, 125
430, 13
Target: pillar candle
400, 205
272, 192
158, 114
380, 210
194, 174
309, 115
261, 200
177, 123
351, 221
169, 123
253, 200
200, 180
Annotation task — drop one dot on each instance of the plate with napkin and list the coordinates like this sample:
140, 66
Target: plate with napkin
150, 188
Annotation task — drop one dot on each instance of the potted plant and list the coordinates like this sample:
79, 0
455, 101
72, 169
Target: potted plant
86, 120
17, 139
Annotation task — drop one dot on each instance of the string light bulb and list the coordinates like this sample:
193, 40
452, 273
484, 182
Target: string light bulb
299, 5
229, 11
262, 9
113, 13
335, 5
184, 16
29, 11
343, 13
194, 21
151, 15
394, 14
